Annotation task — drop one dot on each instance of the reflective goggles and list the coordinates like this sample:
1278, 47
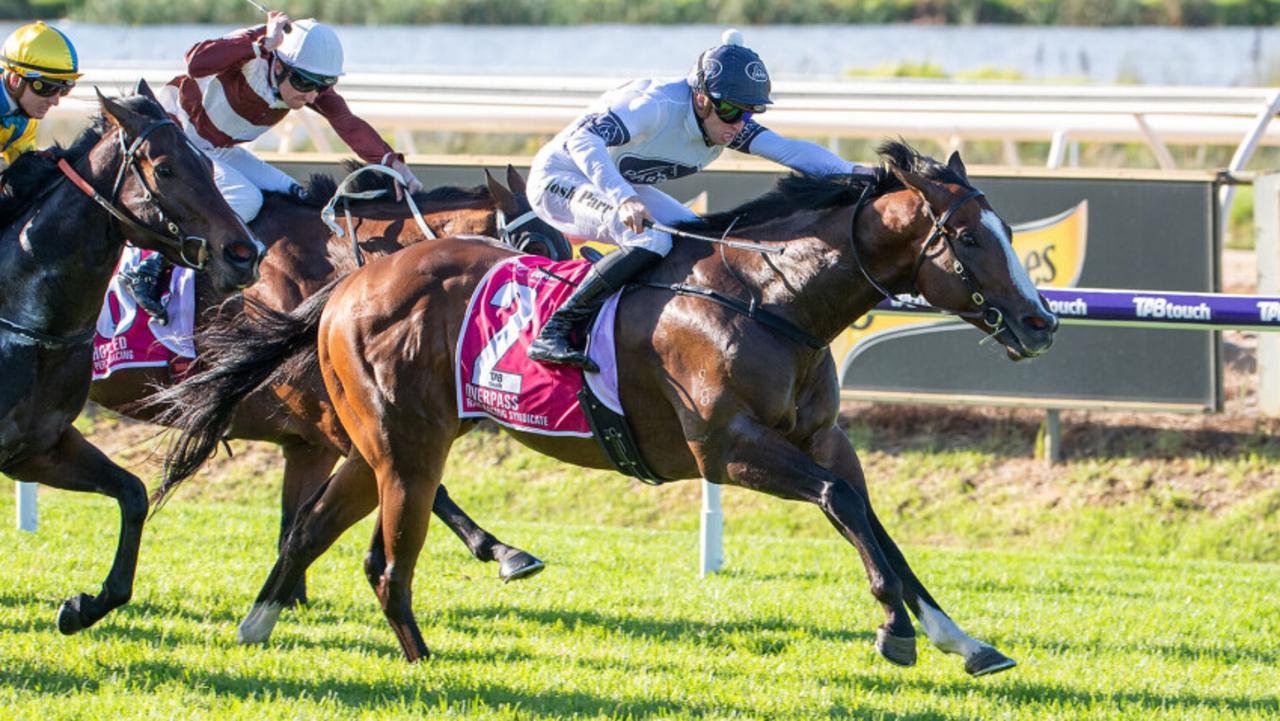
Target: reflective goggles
49, 87
731, 112
305, 82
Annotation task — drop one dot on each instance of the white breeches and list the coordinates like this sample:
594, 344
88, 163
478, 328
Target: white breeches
569, 201
242, 176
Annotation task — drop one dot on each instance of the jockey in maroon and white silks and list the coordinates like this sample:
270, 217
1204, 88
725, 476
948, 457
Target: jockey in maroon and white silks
238, 87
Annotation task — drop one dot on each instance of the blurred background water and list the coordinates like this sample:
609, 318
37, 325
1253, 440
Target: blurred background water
1149, 55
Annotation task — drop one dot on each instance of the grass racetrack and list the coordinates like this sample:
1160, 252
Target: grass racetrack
1115, 606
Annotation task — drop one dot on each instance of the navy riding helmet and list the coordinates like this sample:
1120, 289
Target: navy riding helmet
730, 71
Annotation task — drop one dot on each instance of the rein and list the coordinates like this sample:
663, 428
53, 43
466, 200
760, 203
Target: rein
990, 315
175, 240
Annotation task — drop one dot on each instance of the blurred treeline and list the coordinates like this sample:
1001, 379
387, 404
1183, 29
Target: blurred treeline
740, 12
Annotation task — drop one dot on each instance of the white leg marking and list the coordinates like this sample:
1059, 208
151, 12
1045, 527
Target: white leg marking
256, 627
945, 634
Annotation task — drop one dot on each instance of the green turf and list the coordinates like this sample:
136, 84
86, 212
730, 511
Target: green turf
619, 626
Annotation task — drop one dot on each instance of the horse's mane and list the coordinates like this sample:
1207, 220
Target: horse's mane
34, 173
798, 192
322, 186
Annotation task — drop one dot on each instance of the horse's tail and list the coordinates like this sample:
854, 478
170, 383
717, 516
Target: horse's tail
255, 350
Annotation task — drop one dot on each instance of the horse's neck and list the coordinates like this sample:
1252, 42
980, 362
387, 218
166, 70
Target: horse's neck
58, 266
815, 282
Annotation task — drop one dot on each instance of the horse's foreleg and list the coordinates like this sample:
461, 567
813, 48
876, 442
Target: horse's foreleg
513, 563
306, 467
834, 451
349, 496
761, 459
75, 465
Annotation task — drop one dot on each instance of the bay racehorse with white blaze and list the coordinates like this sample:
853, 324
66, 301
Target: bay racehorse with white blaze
304, 254
709, 391
133, 176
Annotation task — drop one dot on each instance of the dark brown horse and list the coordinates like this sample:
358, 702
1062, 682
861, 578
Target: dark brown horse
709, 392
58, 249
303, 255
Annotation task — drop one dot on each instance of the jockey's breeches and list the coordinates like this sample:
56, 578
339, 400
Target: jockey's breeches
242, 176
571, 203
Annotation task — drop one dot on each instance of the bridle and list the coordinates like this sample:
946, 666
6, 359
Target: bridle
507, 230
990, 315
173, 238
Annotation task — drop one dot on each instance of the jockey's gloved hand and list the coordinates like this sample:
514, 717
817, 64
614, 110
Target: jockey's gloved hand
632, 213
299, 193
410, 180
275, 30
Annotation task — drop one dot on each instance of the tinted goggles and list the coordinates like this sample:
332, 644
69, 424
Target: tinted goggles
305, 82
731, 112
49, 87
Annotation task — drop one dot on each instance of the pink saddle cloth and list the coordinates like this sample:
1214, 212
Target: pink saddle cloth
129, 338
495, 377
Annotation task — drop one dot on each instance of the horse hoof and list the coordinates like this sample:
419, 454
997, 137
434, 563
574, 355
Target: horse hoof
70, 619
257, 626
518, 566
987, 661
899, 650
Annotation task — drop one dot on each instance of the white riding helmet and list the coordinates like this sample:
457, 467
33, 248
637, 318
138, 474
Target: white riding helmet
313, 47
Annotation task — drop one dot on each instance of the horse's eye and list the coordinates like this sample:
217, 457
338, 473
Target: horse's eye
968, 237
164, 170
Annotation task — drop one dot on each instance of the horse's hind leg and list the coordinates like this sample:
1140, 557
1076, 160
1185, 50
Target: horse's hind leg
407, 484
75, 465
834, 451
513, 563
349, 495
306, 468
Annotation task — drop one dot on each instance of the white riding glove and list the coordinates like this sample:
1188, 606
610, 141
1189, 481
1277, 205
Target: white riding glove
276, 22
410, 180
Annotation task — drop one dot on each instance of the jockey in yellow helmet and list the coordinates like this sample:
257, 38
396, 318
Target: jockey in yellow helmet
40, 67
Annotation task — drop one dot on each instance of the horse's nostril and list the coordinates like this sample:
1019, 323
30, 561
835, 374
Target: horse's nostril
241, 253
1038, 322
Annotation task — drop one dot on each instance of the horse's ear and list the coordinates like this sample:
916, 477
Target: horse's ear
935, 194
503, 197
957, 165
515, 180
117, 114
145, 90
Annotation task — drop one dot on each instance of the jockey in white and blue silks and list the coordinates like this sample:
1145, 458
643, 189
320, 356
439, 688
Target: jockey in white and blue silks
595, 178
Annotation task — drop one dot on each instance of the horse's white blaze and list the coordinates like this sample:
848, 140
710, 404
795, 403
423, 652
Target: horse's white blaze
256, 627
945, 634
1016, 271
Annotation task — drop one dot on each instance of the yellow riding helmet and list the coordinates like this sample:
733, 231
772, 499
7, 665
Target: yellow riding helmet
37, 50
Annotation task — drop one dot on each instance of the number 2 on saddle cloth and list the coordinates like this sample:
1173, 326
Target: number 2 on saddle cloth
494, 374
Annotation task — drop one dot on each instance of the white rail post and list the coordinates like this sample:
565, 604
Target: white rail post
1266, 227
26, 506
711, 538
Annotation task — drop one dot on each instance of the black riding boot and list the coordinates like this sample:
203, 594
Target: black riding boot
143, 283
612, 272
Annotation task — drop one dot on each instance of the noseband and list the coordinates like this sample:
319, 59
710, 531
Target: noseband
173, 238
945, 234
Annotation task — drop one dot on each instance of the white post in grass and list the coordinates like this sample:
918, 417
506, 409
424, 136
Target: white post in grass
711, 545
26, 506
1266, 224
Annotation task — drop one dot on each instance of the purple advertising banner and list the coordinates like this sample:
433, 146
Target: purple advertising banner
1150, 308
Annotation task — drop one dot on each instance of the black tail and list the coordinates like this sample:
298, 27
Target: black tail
259, 348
